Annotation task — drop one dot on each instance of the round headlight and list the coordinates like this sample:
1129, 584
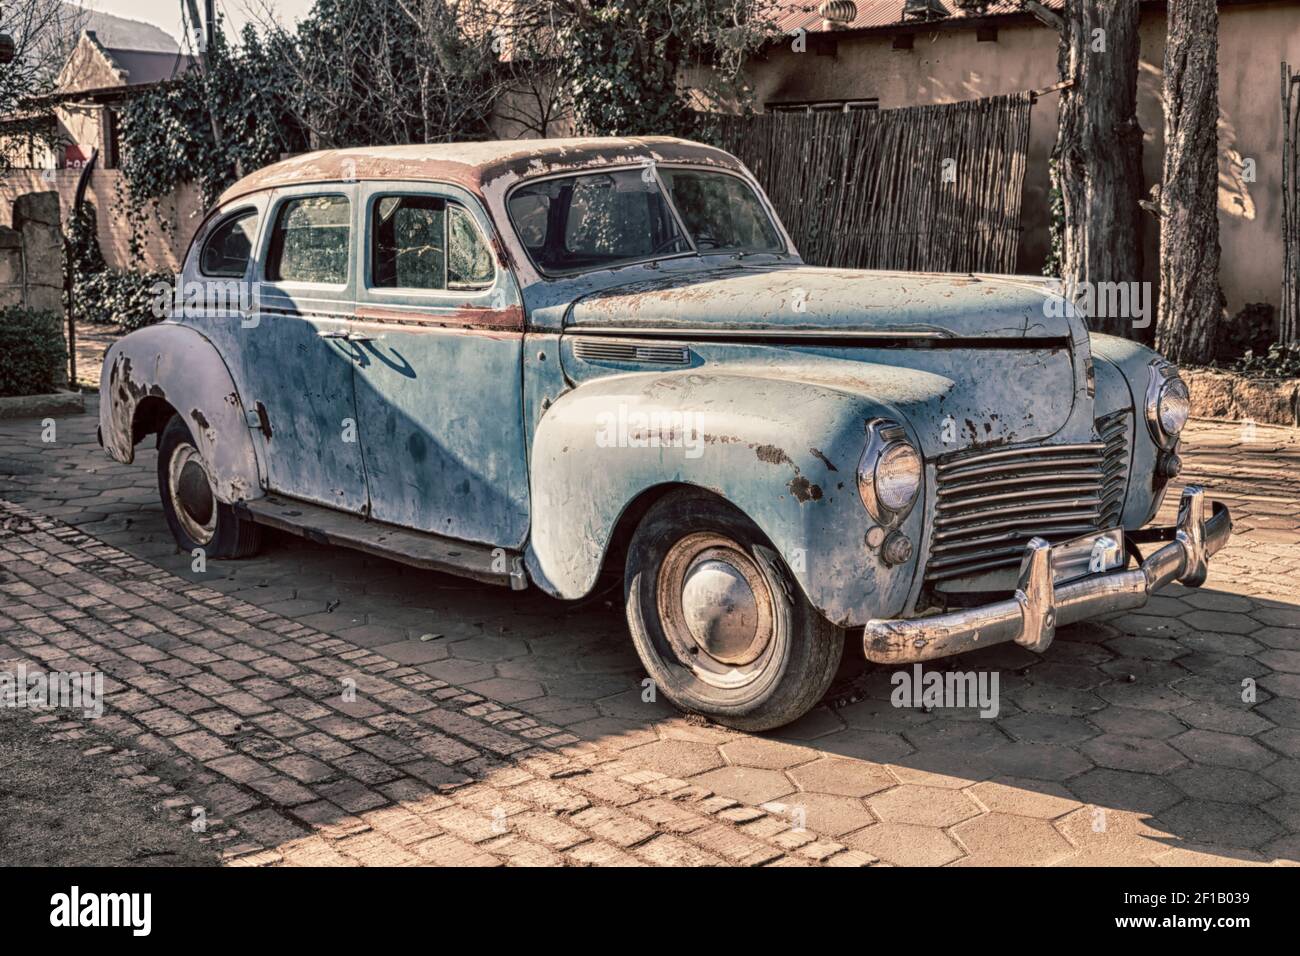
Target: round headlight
1173, 407
898, 476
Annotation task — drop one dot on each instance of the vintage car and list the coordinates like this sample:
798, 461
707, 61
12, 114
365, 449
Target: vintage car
555, 362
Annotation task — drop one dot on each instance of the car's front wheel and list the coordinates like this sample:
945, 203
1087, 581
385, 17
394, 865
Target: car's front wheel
196, 518
719, 623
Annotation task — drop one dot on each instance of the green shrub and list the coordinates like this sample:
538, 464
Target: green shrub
117, 297
32, 351
1281, 361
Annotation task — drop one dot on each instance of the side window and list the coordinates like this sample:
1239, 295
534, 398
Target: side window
310, 241
469, 263
424, 242
226, 251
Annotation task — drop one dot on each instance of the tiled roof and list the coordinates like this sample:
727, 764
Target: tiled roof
803, 14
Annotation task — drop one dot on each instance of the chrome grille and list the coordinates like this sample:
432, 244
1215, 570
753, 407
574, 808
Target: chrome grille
592, 350
1113, 431
988, 505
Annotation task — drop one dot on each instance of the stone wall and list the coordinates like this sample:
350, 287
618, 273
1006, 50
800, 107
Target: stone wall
31, 254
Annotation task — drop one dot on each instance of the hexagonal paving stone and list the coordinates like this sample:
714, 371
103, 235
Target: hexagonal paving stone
1223, 750
746, 784
1285, 740
905, 844
882, 716
866, 745
1223, 784
459, 672
490, 649
1108, 837
632, 705
968, 737
846, 778
1218, 691
1037, 761
1221, 621
1229, 824
1077, 676
1284, 773
1132, 722
1048, 728
1024, 798
1141, 696
1241, 719
1000, 839
923, 806
764, 753
677, 758
1138, 754
1123, 790
1129, 670
1225, 667
1285, 809
1042, 699
1280, 660
505, 690
1283, 638
818, 722
823, 813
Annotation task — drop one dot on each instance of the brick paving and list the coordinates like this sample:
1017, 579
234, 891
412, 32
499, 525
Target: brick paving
1127, 743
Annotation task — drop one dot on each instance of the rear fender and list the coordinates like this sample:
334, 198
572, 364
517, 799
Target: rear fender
175, 364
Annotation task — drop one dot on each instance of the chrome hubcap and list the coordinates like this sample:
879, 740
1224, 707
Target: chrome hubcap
721, 611
191, 493
716, 610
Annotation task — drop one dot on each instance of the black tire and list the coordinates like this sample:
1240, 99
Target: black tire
682, 533
214, 526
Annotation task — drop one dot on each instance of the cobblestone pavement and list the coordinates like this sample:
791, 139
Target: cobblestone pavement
497, 727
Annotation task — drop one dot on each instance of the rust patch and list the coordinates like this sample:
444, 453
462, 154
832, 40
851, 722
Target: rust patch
804, 490
772, 455
509, 319
816, 453
199, 419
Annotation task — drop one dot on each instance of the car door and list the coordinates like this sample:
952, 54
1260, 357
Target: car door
298, 357
439, 384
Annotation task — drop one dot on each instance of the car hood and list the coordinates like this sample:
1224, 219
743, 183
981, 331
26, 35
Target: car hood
795, 299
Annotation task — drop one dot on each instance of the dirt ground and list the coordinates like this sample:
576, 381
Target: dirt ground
59, 805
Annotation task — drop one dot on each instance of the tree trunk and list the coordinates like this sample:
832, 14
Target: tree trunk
1191, 302
1099, 154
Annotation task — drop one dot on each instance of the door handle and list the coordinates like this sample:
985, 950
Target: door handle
345, 335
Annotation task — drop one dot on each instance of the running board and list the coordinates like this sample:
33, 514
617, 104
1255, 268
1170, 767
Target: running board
419, 549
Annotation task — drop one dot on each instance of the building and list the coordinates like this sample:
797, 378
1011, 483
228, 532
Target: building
897, 53
82, 115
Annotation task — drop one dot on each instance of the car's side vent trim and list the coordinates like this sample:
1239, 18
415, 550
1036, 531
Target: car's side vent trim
591, 350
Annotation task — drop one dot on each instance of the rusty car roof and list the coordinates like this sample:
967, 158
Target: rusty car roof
474, 165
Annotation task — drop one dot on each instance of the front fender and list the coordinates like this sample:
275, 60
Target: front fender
1133, 360
782, 450
177, 365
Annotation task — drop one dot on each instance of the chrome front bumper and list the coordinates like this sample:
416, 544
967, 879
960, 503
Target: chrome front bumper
1031, 617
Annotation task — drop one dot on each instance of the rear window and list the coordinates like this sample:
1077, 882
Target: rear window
225, 254
311, 240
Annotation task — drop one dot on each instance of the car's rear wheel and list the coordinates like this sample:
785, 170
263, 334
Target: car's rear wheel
196, 518
718, 621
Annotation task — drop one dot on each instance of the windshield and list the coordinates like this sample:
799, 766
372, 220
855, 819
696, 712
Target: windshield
602, 220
